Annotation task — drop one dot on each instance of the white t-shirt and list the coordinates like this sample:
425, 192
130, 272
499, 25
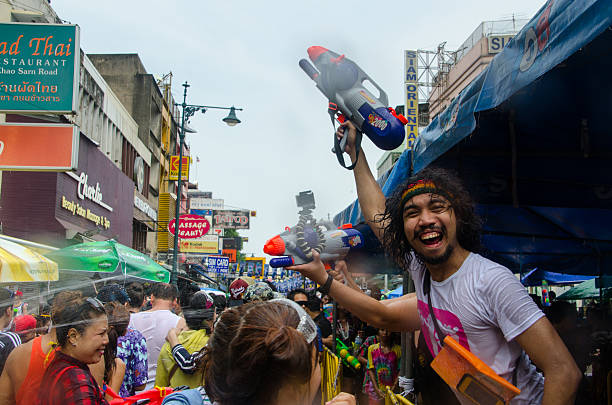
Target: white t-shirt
484, 307
154, 326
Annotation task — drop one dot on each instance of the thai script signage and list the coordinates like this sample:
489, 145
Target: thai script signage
39, 147
411, 111
39, 68
190, 226
231, 219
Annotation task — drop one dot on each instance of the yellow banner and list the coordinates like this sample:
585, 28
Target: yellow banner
174, 168
411, 85
198, 246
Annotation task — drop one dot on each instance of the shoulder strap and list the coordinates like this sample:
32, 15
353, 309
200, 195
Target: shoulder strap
427, 291
339, 146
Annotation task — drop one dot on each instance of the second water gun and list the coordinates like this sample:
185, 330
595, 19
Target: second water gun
347, 358
296, 245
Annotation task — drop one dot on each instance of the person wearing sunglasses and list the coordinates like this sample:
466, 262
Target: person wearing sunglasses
82, 336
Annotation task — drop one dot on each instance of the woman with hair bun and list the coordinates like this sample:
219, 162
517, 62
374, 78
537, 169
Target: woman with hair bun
264, 353
82, 335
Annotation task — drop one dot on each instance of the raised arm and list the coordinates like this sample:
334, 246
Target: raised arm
401, 315
371, 198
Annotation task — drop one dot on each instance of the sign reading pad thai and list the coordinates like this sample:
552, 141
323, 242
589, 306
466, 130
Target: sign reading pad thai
39, 68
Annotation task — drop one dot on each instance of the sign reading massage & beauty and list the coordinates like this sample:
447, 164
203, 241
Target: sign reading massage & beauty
39, 68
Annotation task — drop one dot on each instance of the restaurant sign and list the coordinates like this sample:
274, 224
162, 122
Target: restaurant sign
39, 68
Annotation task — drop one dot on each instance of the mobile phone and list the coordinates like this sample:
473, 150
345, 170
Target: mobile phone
478, 392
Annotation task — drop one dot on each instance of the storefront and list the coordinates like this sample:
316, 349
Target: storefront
95, 201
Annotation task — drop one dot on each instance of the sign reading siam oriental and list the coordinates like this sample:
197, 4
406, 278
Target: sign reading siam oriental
39, 68
411, 111
190, 226
231, 219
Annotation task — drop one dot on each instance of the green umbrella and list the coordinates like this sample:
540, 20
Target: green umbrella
584, 290
109, 257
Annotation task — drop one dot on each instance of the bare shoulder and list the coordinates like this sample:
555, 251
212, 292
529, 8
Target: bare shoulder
20, 355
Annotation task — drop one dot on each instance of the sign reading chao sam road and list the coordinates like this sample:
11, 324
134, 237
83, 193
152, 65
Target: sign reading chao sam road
190, 226
39, 68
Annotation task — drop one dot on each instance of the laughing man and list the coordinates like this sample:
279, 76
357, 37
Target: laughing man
429, 227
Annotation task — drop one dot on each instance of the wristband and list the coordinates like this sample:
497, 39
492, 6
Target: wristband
324, 289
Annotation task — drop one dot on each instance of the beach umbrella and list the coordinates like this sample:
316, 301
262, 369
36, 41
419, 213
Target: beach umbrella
109, 258
21, 264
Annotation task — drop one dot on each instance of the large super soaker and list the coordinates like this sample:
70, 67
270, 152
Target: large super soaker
342, 82
297, 244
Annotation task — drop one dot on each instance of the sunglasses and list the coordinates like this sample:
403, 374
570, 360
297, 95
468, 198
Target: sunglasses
302, 303
95, 303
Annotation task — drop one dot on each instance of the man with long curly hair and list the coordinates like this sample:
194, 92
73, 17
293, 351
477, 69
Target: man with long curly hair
429, 228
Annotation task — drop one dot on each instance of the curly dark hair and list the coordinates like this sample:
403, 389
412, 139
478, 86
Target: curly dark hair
469, 224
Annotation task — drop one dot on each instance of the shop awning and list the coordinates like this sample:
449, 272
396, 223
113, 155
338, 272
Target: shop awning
21, 264
535, 277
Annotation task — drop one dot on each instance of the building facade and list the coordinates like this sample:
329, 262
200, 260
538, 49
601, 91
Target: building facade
472, 57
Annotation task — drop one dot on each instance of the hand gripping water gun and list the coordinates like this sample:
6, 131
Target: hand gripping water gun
296, 245
341, 81
347, 358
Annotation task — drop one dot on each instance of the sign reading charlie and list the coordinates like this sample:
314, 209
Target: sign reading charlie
39, 68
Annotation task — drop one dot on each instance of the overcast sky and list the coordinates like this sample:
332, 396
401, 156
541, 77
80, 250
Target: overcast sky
246, 53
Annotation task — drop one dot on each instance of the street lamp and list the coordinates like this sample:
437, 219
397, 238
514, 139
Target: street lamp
188, 111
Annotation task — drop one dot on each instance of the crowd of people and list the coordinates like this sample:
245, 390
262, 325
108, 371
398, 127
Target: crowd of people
260, 347
129, 339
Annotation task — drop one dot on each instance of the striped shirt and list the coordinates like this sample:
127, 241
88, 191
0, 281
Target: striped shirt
8, 341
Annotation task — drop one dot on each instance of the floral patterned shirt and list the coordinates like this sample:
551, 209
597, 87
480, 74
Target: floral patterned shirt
132, 349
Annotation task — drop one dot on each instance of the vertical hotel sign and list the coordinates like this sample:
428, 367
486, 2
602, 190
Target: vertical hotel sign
39, 68
411, 112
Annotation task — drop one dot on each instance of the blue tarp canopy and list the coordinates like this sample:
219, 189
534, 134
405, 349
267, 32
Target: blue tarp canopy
535, 277
532, 140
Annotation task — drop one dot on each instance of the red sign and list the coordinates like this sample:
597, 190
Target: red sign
39, 147
190, 226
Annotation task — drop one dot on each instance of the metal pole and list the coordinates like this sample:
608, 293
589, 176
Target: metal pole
174, 274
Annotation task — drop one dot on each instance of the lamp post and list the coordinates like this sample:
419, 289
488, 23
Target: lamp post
188, 111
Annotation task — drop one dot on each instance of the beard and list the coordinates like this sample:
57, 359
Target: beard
436, 259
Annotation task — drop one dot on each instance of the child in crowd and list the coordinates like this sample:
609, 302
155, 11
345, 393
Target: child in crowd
383, 367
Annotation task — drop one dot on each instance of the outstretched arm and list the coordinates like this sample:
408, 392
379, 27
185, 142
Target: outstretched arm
400, 315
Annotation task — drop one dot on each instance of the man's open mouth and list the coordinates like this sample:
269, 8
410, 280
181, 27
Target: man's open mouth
430, 238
